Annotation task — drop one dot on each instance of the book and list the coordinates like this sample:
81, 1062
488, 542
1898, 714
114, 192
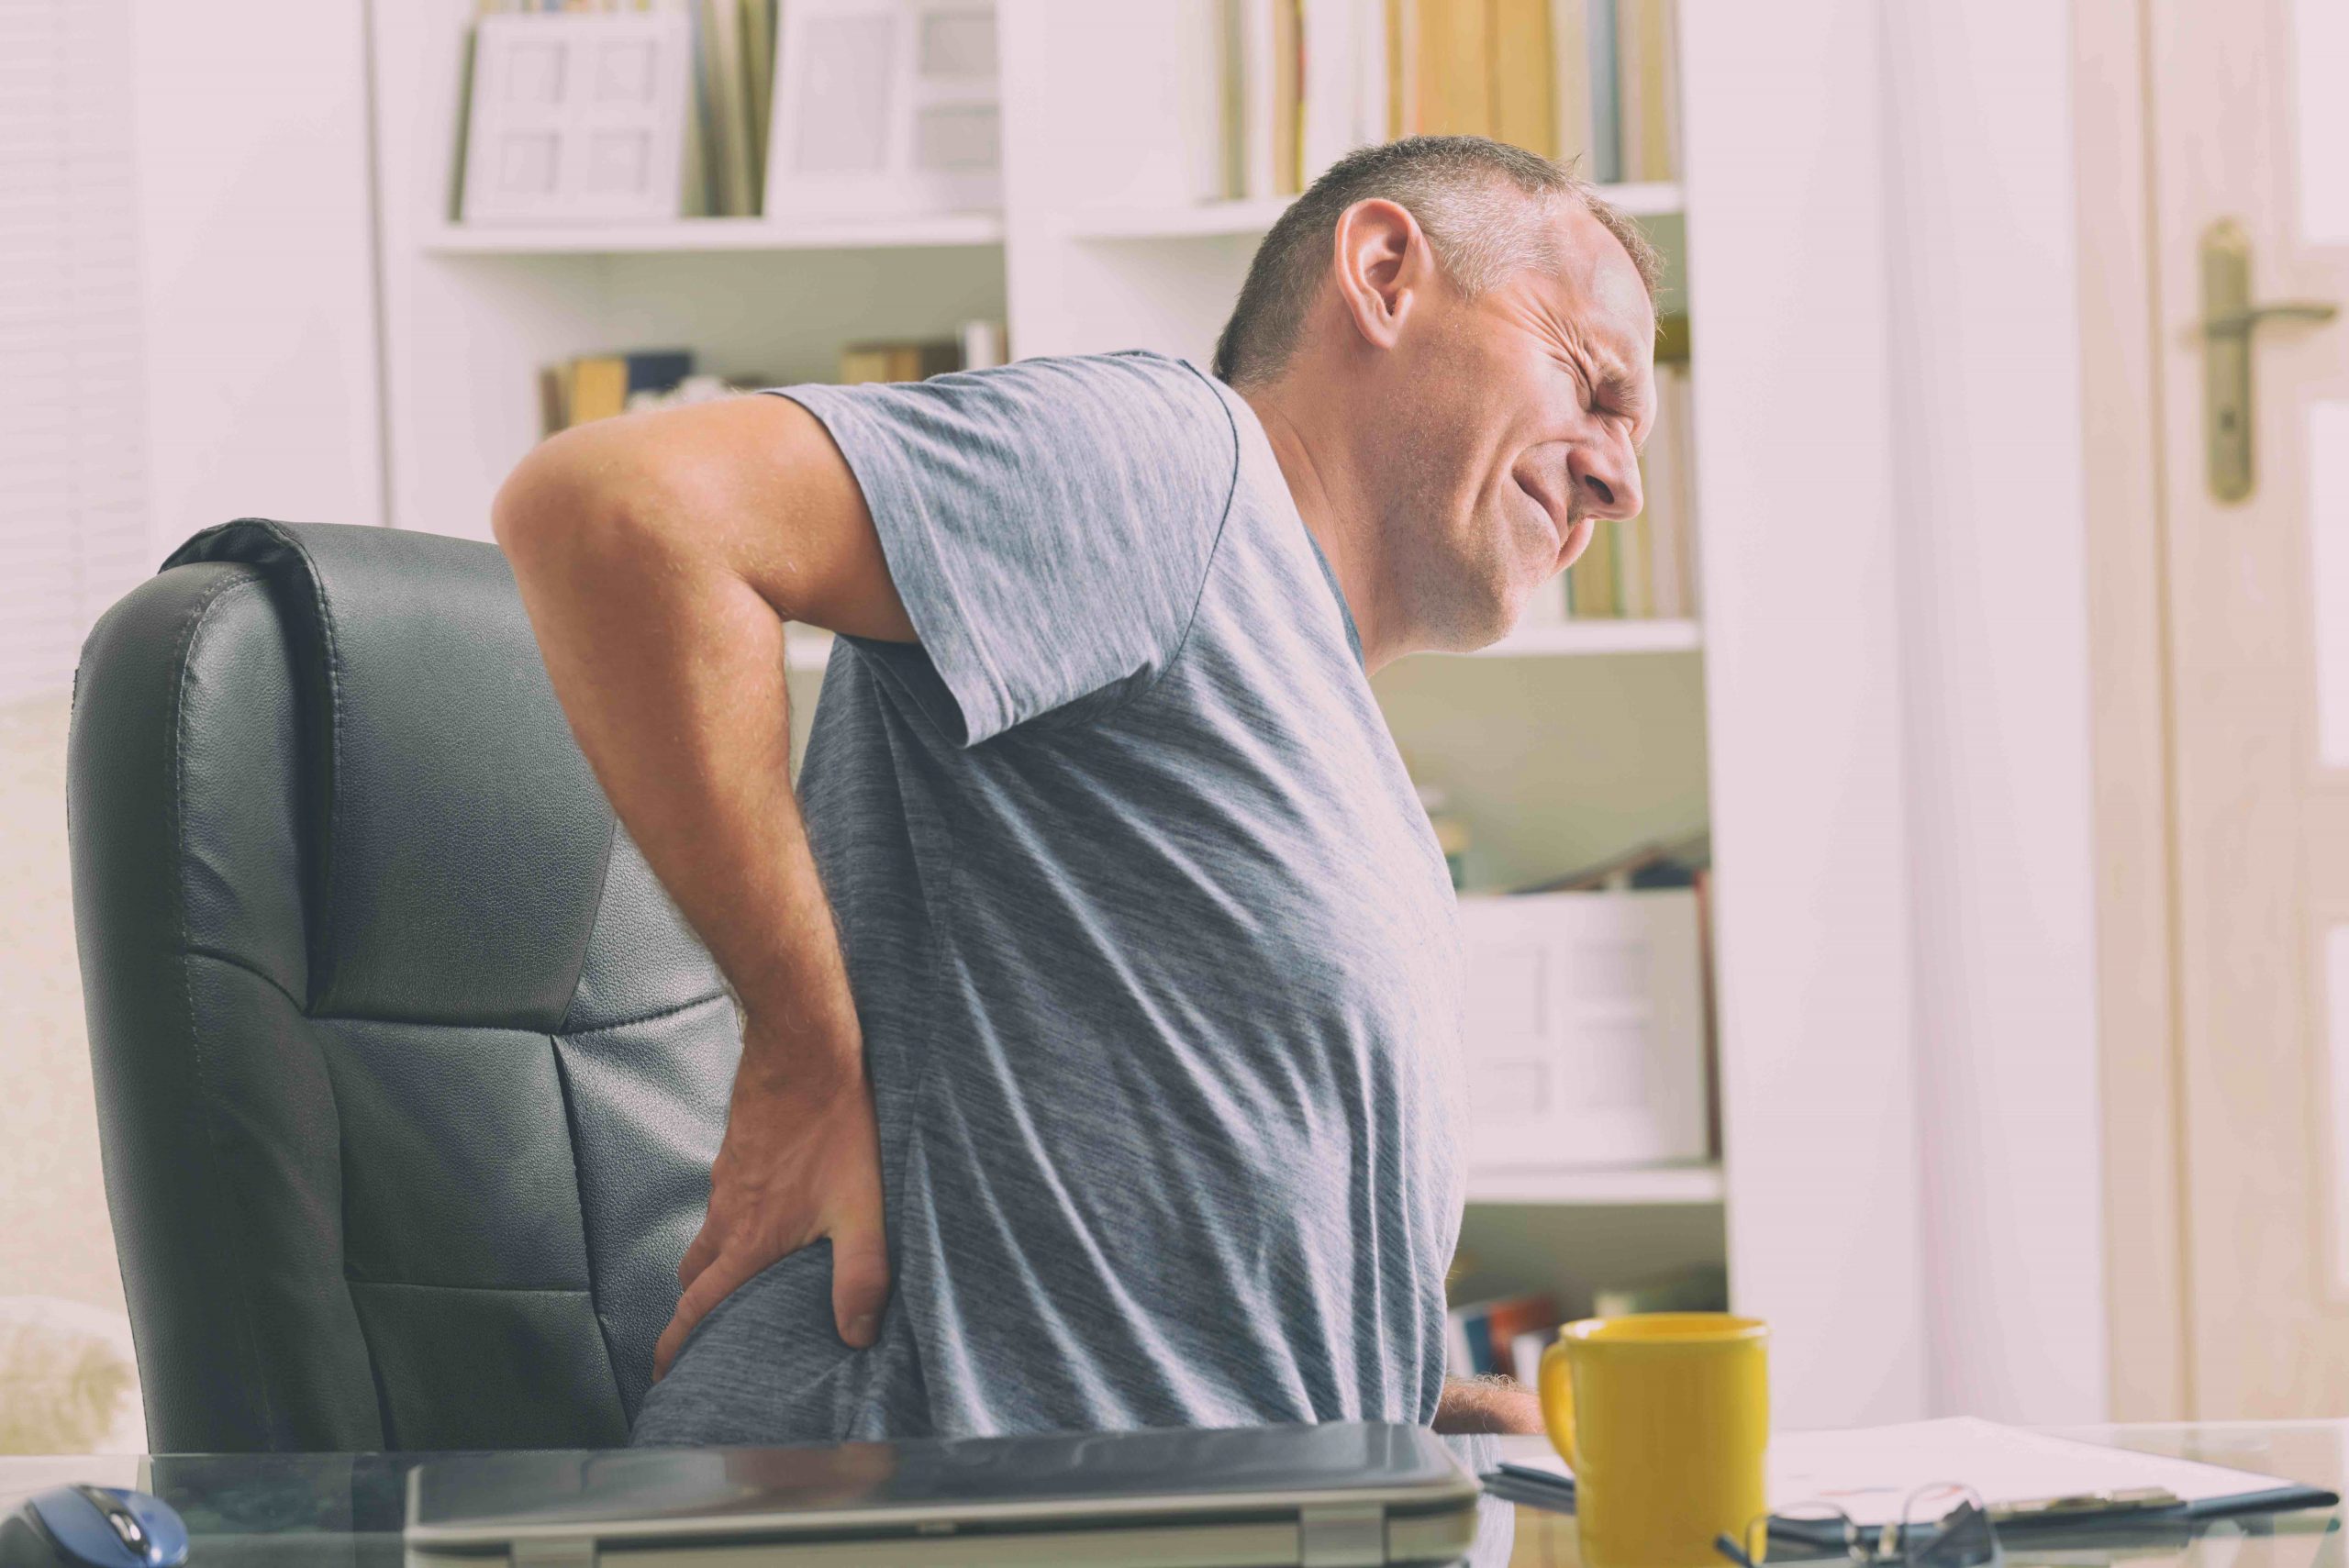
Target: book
1635, 583
1402, 83
1524, 98
758, 35
1677, 399
1483, 1332
1344, 70
899, 362
1666, 467
1449, 68
1591, 592
596, 386
724, 80
1606, 163
599, 388
1570, 82
1257, 75
1646, 70
1288, 64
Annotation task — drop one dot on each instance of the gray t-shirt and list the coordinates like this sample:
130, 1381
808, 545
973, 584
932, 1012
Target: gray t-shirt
1153, 946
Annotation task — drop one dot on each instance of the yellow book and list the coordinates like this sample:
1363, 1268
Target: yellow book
1452, 68
1523, 91
1570, 67
598, 387
1234, 102
1635, 564
1590, 581
863, 362
758, 67
1288, 96
1402, 74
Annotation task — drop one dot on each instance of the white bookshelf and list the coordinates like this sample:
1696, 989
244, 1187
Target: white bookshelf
1774, 716
1678, 1185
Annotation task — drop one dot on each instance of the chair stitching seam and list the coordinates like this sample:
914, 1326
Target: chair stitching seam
184, 659
650, 1018
586, 1243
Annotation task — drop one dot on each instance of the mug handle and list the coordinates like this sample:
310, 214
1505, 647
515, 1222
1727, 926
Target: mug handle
1557, 1390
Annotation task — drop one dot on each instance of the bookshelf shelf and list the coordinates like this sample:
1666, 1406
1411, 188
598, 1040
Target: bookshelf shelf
1200, 220
1652, 1186
1589, 636
1215, 219
686, 236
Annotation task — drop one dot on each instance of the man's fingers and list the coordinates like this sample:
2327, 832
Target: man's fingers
699, 1254
859, 1283
716, 1282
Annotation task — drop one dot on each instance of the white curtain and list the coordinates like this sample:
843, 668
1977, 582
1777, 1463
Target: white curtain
72, 414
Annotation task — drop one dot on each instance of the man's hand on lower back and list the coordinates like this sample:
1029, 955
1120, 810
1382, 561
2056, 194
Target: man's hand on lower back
800, 1163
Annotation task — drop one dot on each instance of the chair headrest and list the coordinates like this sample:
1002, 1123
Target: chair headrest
456, 837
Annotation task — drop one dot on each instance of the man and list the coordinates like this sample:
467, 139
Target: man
1100, 987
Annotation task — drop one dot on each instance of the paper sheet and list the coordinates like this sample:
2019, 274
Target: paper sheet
1871, 1472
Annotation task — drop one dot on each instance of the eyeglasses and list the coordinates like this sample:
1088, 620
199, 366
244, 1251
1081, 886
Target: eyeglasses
1942, 1525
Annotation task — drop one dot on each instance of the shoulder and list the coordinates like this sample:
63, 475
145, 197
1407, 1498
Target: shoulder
1059, 411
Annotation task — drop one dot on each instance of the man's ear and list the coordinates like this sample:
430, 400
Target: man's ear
1384, 265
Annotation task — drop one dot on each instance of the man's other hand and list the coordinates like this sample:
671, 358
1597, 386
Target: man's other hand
800, 1161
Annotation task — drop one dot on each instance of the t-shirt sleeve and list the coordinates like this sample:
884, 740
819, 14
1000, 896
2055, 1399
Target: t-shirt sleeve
1048, 524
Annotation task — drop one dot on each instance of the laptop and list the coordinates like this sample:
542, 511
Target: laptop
1286, 1497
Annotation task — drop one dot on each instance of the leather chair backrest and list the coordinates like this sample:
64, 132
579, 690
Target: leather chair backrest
408, 1074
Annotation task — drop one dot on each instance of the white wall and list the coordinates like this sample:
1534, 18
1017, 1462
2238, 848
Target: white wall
1787, 270
1991, 537
253, 220
254, 215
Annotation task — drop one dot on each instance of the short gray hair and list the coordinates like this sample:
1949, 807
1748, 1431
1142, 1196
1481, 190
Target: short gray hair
1483, 205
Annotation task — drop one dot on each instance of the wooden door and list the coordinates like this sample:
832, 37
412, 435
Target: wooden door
2249, 125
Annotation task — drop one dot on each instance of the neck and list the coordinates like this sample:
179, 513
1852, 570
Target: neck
1329, 498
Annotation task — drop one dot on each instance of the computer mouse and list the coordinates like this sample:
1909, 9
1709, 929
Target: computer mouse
92, 1526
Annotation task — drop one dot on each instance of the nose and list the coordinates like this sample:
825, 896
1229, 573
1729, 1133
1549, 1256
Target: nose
1608, 478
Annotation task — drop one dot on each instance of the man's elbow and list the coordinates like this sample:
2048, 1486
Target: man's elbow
553, 515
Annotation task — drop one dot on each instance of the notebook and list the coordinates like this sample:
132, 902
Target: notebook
1870, 1473
1339, 1492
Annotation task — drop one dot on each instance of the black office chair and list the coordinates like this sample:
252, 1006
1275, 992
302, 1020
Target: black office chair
408, 1074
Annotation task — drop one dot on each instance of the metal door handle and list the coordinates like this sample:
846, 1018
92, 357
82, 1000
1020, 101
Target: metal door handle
2228, 317
2283, 309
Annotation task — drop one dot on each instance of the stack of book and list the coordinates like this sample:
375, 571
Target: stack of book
1505, 1335
596, 386
1501, 1336
978, 345
1303, 81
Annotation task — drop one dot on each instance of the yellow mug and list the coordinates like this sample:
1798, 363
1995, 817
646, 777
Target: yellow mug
1665, 1419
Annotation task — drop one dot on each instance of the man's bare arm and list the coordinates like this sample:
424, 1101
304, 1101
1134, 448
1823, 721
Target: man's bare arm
1488, 1405
659, 554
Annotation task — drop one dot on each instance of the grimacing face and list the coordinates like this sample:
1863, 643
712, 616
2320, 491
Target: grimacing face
1520, 429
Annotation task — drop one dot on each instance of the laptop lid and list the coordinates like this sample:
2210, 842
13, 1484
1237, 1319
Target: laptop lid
1337, 1492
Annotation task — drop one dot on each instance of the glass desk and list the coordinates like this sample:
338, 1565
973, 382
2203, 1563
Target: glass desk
346, 1510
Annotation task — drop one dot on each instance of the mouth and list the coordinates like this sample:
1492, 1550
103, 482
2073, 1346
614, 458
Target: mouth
1573, 537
